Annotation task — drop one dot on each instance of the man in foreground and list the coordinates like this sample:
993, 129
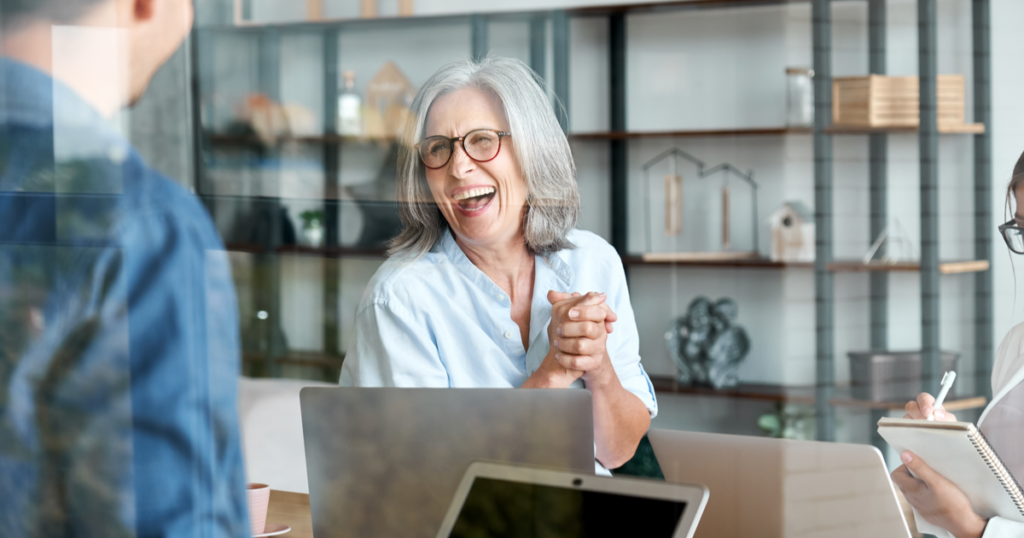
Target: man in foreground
119, 350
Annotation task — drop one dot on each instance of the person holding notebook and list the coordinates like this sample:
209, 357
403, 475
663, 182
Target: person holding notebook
935, 498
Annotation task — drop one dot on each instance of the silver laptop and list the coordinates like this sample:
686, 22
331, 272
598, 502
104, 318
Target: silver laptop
387, 461
512, 501
780, 488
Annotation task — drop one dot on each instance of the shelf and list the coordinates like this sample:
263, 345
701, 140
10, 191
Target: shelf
300, 358
967, 128
958, 404
676, 5
945, 268
334, 252
685, 259
448, 18
746, 391
741, 263
620, 135
253, 140
325, 252
799, 394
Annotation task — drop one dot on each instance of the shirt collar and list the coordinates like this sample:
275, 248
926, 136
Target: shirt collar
31, 98
458, 258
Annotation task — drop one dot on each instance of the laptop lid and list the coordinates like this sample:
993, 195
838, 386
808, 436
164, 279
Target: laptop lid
778, 487
386, 461
510, 501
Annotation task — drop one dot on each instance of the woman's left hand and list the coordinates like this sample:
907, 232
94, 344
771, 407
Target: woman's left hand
937, 499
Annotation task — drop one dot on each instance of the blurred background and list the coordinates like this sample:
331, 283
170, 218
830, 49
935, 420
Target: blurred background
694, 126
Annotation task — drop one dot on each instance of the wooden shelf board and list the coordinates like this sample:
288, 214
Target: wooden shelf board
799, 394
677, 5
758, 131
334, 252
300, 358
747, 391
960, 404
326, 252
744, 263
966, 128
252, 140
647, 7
945, 268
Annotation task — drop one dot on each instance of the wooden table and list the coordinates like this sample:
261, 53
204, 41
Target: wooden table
292, 509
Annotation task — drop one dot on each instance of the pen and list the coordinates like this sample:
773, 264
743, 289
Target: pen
947, 382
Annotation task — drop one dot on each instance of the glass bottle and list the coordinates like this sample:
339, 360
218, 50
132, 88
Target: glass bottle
800, 92
350, 107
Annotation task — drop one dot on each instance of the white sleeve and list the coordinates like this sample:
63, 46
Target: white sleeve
392, 348
624, 342
1003, 528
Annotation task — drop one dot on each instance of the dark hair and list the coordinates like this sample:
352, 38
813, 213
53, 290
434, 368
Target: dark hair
64, 11
1015, 181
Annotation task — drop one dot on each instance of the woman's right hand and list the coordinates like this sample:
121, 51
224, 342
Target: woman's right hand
588, 309
921, 408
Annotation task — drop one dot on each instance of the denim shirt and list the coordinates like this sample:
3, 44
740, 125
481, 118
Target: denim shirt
439, 321
119, 351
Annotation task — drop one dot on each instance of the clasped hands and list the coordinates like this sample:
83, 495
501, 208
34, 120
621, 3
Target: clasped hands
936, 499
578, 333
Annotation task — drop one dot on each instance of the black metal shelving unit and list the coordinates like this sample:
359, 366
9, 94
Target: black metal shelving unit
618, 139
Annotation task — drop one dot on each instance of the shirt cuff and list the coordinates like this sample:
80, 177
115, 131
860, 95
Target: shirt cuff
1002, 528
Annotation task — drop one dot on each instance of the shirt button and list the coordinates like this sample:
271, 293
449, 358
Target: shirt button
500, 298
508, 334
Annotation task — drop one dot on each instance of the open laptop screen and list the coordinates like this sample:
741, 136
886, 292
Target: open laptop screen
506, 509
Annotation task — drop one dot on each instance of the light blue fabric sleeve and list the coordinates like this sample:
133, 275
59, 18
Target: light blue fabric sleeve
392, 348
624, 342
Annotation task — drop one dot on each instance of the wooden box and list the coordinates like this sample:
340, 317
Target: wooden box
878, 101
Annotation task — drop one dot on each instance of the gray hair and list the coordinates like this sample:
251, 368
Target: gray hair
553, 201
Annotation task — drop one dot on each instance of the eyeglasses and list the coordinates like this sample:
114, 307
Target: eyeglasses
481, 145
1013, 235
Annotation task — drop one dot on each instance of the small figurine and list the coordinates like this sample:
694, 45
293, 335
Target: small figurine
706, 345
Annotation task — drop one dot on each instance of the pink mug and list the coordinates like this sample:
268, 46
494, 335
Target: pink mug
258, 498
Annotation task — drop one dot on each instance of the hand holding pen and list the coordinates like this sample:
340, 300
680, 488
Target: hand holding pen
927, 406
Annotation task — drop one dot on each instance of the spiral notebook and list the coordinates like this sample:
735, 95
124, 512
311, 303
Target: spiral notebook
958, 451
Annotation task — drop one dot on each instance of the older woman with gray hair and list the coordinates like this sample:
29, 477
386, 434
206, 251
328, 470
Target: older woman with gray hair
489, 284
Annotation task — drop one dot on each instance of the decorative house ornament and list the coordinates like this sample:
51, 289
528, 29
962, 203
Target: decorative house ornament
899, 247
792, 233
674, 215
706, 344
673, 204
388, 97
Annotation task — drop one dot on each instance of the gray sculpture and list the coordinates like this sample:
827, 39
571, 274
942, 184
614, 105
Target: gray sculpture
706, 344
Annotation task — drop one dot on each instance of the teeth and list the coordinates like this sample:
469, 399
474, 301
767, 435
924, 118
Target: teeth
473, 193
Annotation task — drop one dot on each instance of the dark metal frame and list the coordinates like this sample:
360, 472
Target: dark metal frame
983, 337
928, 148
823, 179
824, 290
462, 141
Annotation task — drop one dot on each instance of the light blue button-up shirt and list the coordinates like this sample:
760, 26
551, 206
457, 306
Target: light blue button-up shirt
439, 321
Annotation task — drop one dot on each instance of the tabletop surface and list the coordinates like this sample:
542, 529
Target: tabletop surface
292, 509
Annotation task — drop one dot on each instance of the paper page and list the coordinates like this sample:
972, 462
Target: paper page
948, 450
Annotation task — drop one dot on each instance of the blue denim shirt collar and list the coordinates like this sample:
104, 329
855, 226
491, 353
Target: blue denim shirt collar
33, 99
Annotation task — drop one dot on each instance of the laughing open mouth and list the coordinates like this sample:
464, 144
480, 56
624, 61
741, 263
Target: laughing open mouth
475, 199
